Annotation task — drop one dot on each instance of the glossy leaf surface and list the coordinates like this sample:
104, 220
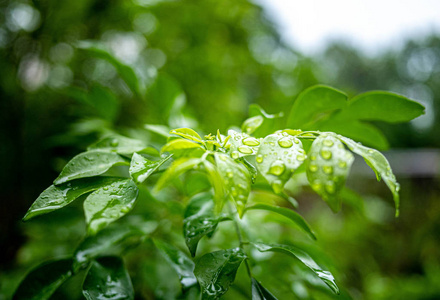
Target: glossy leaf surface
109, 203
216, 271
279, 155
236, 178
242, 144
108, 279
187, 133
259, 292
325, 276
180, 144
217, 183
328, 166
379, 164
56, 197
182, 264
288, 213
178, 167
44, 280
119, 144
89, 164
141, 168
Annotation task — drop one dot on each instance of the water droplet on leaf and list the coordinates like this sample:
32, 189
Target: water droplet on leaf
277, 168
326, 154
285, 142
244, 149
250, 141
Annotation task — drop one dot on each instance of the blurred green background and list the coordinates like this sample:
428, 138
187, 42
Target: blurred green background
72, 71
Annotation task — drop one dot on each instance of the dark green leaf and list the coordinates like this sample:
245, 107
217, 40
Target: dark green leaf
216, 271
56, 197
236, 179
259, 292
288, 213
178, 167
279, 155
89, 164
379, 164
119, 144
328, 166
187, 133
44, 280
141, 168
314, 104
94, 245
108, 279
182, 264
325, 276
109, 203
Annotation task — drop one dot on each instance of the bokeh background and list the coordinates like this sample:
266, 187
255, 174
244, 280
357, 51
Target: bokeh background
72, 71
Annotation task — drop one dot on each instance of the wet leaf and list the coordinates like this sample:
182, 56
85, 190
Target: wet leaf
109, 203
141, 168
288, 213
279, 155
107, 278
217, 183
259, 292
56, 197
251, 124
182, 264
180, 144
302, 256
236, 179
187, 133
89, 164
44, 280
379, 164
328, 166
178, 167
120, 144
216, 271
242, 144
270, 122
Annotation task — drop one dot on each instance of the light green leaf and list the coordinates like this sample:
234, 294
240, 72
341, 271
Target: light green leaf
217, 183
381, 106
288, 213
56, 197
182, 264
216, 271
178, 167
109, 203
107, 278
180, 144
187, 133
119, 144
251, 124
44, 280
379, 164
279, 155
313, 104
328, 166
270, 122
242, 144
105, 239
259, 292
89, 164
236, 179
141, 168
159, 129
302, 256
200, 220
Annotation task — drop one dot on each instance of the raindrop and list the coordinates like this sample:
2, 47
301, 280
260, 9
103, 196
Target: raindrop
296, 141
277, 168
300, 157
328, 143
342, 164
327, 169
285, 142
114, 143
250, 141
312, 157
316, 185
234, 192
277, 186
235, 154
313, 168
326, 154
259, 158
244, 149
229, 174
330, 187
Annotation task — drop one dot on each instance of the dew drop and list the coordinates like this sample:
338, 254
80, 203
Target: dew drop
313, 168
342, 164
277, 168
125, 209
328, 143
235, 154
229, 174
250, 141
330, 187
259, 158
114, 143
312, 157
285, 142
326, 154
296, 141
317, 185
300, 157
277, 186
245, 149
105, 188
272, 143
327, 169
234, 192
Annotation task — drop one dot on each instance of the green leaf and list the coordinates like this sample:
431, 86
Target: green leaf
279, 155
216, 271
56, 197
251, 124
379, 164
236, 179
199, 220
217, 183
44, 280
178, 167
187, 133
302, 256
259, 292
328, 166
288, 213
95, 245
89, 164
180, 144
141, 168
108, 279
119, 144
381, 106
270, 122
313, 104
109, 203
182, 264
242, 144
161, 130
